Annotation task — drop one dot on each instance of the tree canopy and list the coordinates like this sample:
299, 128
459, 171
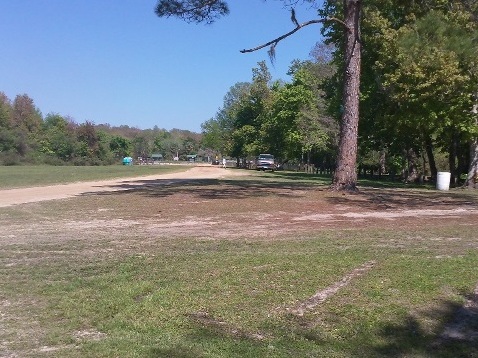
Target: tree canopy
192, 10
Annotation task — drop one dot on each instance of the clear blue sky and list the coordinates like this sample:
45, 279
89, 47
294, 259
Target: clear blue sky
116, 62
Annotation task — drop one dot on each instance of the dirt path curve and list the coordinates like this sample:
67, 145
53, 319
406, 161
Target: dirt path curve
11, 197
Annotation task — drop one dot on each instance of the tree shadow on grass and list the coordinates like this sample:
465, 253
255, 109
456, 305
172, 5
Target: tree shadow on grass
178, 351
215, 333
298, 335
326, 179
362, 182
401, 198
458, 337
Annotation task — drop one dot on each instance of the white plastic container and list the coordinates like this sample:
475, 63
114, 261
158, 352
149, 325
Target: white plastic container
443, 180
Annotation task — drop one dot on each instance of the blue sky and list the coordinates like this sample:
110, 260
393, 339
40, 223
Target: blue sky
116, 62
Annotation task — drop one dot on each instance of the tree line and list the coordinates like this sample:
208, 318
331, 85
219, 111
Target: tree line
287, 119
26, 137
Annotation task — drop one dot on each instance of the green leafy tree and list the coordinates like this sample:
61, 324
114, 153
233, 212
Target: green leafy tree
213, 136
24, 128
8, 139
217, 131
88, 142
120, 146
105, 156
190, 145
5, 111
280, 130
159, 142
236, 128
250, 113
432, 87
173, 147
345, 176
58, 139
25, 115
142, 146
424, 61
298, 124
391, 33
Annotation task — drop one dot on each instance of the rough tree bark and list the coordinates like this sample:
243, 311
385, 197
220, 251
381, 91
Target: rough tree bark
345, 176
472, 177
431, 156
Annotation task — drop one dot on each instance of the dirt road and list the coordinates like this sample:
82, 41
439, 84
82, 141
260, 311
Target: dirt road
52, 192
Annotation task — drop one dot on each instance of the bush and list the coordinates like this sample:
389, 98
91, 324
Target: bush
10, 157
49, 160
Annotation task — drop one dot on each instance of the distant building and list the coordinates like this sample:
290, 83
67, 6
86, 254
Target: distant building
156, 157
192, 157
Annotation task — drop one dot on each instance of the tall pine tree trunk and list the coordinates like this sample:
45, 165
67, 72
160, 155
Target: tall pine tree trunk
472, 177
345, 176
452, 158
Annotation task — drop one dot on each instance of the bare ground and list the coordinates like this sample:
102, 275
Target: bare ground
53, 192
209, 203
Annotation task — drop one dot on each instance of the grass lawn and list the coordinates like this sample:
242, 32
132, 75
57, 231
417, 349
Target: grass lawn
40, 175
231, 268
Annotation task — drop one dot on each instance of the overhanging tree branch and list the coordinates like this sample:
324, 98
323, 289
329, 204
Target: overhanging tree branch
273, 43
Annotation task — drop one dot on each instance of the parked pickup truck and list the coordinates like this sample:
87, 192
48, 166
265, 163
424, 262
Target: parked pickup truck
265, 162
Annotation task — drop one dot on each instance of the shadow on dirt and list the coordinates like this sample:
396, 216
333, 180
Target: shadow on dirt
295, 185
384, 199
210, 188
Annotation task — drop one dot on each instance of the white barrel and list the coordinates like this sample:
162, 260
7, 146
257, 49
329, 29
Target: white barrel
443, 180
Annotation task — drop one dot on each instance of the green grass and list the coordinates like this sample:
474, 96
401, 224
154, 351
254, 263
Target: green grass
325, 179
196, 298
25, 176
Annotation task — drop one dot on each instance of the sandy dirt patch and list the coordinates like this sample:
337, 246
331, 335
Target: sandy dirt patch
30, 195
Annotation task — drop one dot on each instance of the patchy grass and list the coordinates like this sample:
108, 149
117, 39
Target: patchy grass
234, 298
26, 176
367, 182
217, 268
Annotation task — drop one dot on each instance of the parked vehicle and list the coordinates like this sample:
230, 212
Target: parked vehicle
265, 162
